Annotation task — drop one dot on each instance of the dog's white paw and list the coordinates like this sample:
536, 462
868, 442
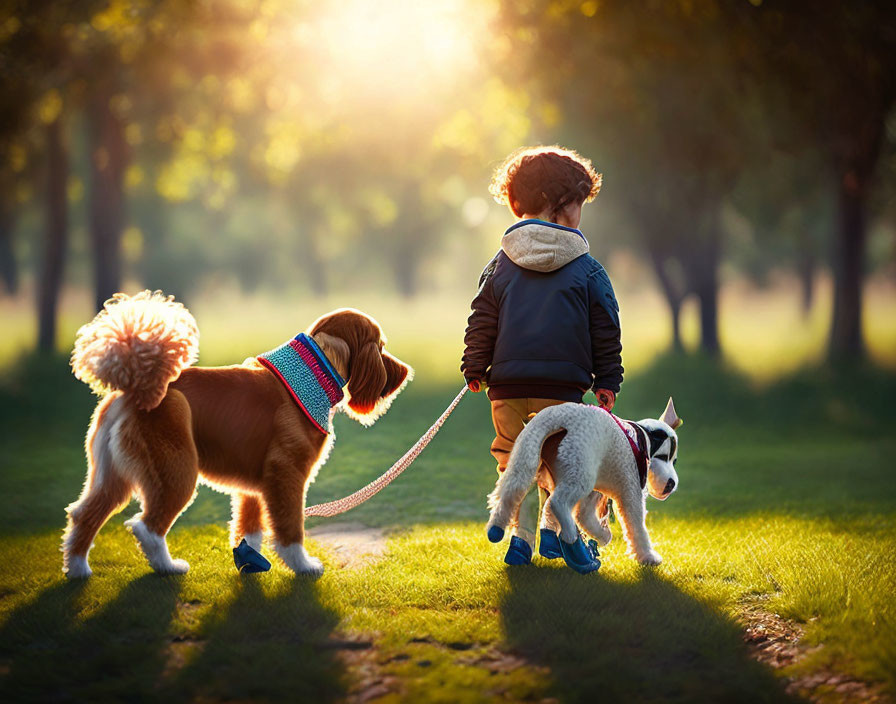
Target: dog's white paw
603, 536
651, 558
155, 548
76, 567
314, 567
298, 560
174, 566
254, 540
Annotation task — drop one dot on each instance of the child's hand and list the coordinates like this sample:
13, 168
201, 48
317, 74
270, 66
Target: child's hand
474, 385
605, 398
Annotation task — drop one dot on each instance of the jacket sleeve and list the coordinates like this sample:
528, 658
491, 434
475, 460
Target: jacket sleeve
482, 330
606, 334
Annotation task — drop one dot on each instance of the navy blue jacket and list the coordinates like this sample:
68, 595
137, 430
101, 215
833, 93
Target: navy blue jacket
544, 333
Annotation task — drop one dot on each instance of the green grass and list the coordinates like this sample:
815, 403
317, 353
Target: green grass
786, 500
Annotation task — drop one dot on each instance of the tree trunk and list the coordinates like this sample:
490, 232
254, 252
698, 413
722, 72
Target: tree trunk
707, 289
704, 267
56, 239
807, 280
9, 267
849, 255
675, 313
405, 254
405, 264
671, 293
408, 240
855, 158
154, 266
108, 160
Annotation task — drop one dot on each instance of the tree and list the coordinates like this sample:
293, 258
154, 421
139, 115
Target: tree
834, 71
16, 172
108, 161
56, 237
653, 90
36, 55
784, 196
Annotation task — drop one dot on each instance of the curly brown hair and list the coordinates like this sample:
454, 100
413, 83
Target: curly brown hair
544, 179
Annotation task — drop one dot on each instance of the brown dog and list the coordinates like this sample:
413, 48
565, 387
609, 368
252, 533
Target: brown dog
163, 424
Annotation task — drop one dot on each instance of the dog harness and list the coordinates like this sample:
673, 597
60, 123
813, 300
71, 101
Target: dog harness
307, 374
637, 440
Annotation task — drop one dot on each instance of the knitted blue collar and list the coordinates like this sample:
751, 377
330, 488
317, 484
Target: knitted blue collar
308, 375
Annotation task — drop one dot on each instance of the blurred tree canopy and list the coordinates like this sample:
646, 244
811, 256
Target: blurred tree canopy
698, 105
835, 86
344, 144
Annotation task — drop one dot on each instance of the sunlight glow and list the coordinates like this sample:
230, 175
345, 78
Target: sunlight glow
398, 47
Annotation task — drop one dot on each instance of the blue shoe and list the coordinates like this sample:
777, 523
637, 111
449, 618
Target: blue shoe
519, 552
592, 548
549, 544
249, 560
495, 534
579, 557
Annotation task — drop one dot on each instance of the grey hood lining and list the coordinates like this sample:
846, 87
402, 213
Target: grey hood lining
543, 247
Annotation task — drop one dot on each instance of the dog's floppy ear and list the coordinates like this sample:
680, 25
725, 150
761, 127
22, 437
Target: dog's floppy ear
367, 379
397, 375
670, 417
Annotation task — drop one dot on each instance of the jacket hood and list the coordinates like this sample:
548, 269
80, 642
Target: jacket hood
542, 246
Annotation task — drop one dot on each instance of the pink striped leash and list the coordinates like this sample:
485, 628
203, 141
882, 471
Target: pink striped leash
333, 508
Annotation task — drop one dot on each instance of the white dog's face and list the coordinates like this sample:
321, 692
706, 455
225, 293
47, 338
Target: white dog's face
662, 479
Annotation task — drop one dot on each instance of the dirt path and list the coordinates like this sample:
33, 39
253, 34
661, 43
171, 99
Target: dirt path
776, 641
354, 544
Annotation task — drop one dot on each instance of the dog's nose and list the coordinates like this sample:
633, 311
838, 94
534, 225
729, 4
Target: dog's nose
670, 485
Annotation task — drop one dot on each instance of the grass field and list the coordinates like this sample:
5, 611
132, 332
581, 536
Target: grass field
784, 519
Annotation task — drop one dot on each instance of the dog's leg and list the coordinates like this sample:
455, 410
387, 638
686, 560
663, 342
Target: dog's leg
155, 547
505, 500
160, 451
549, 464
285, 478
105, 492
161, 507
587, 517
247, 521
525, 517
560, 505
548, 519
632, 512
86, 516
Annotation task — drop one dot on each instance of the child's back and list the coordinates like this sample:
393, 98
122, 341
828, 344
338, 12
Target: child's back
545, 323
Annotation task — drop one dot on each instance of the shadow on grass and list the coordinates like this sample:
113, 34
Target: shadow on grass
265, 647
51, 653
259, 647
635, 641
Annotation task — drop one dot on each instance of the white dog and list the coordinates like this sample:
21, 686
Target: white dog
600, 457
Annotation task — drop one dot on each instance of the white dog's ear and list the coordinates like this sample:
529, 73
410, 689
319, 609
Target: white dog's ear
670, 417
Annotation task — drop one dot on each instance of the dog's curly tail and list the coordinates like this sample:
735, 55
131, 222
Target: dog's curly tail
138, 345
522, 468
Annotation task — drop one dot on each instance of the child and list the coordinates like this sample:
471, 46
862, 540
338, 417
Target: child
545, 323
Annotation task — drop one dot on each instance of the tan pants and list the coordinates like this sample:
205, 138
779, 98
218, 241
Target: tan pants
509, 417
